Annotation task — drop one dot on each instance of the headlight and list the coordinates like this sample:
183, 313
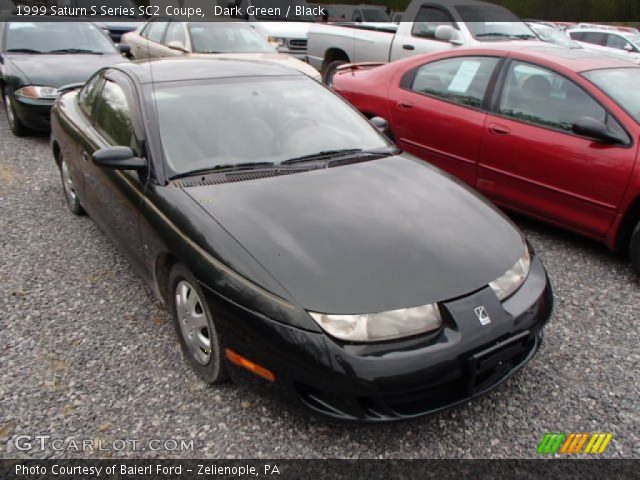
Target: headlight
276, 42
511, 281
33, 91
375, 327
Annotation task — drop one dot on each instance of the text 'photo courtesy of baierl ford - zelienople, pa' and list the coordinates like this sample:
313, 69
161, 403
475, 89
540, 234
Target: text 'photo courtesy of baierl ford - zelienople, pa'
346, 239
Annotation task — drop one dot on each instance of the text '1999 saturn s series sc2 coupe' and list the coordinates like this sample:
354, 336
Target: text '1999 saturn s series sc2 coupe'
295, 245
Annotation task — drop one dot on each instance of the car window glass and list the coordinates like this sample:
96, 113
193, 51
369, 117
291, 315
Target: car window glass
428, 20
113, 117
155, 31
460, 80
597, 38
356, 17
537, 95
616, 41
88, 94
175, 33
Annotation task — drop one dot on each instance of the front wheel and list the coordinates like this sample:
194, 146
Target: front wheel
195, 326
634, 249
70, 194
17, 127
330, 71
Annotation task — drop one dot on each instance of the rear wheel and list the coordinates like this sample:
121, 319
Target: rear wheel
70, 194
17, 127
634, 250
330, 71
195, 326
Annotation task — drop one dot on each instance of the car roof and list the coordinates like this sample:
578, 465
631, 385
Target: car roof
182, 69
575, 59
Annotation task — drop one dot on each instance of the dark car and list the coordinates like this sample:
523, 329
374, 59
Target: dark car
294, 244
546, 131
36, 58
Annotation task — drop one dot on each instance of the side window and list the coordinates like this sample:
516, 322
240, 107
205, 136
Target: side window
175, 33
113, 117
596, 38
428, 19
155, 31
356, 16
88, 94
616, 41
460, 80
537, 95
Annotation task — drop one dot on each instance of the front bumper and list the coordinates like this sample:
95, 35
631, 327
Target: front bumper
33, 113
399, 379
299, 54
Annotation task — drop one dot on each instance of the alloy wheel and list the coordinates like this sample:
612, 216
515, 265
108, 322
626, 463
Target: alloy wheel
194, 325
10, 115
67, 184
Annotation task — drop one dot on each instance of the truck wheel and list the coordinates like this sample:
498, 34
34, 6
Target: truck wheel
329, 72
634, 249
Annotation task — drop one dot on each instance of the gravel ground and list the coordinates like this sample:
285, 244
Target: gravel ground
87, 353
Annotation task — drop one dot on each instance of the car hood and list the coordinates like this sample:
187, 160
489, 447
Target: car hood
57, 70
368, 237
279, 58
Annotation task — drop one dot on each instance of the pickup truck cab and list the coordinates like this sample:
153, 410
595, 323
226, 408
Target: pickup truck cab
427, 26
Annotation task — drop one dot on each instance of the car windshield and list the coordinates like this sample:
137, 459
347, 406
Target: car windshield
226, 37
57, 37
491, 23
551, 35
621, 84
280, 10
255, 119
375, 15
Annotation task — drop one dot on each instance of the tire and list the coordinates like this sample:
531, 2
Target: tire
195, 327
16, 126
70, 195
329, 72
634, 249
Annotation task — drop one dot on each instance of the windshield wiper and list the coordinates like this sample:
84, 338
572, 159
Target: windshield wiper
75, 50
327, 154
227, 167
320, 155
497, 34
23, 50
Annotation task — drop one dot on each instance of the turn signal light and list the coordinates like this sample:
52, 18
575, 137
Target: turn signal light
249, 365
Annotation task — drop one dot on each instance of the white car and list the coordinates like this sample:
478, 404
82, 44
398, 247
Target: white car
611, 42
284, 26
170, 38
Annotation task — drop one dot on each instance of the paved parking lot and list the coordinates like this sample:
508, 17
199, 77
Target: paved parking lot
87, 353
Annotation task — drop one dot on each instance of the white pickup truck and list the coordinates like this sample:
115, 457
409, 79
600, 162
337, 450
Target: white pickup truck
427, 26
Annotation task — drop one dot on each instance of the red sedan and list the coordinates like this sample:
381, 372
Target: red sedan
546, 131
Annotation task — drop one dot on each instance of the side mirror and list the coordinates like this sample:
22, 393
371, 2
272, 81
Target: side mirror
380, 123
177, 45
447, 33
124, 49
595, 129
628, 47
118, 158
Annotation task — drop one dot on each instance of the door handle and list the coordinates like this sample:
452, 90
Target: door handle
408, 47
85, 156
404, 105
497, 129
